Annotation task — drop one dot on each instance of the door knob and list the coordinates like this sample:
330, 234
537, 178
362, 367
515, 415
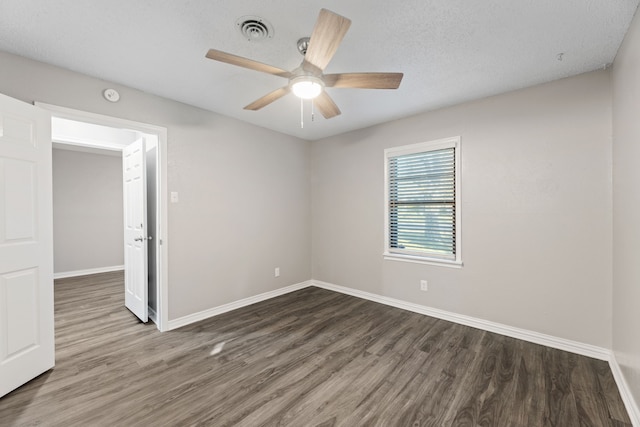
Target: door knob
138, 239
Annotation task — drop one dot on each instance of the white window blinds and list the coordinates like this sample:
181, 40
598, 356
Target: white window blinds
422, 203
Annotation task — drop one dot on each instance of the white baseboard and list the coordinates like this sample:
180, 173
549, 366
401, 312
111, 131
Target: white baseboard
510, 331
625, 391
205, 314
76, 273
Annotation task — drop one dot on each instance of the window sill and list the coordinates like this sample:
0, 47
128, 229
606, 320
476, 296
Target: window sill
423, 260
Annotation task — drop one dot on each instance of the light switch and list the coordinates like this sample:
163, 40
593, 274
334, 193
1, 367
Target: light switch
174, 197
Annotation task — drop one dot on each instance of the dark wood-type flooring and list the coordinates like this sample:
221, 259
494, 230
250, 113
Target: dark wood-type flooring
309, 358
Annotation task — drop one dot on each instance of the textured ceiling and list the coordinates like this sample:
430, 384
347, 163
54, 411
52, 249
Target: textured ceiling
449, 50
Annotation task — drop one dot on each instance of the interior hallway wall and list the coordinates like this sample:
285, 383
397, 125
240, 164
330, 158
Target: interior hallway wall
626, 208
87, 211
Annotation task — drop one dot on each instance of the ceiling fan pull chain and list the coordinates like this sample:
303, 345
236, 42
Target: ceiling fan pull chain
301, 114
313, 114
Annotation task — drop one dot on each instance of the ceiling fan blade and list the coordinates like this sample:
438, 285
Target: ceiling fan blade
240, 61
364, 80
268, 99
327, 34
325, 104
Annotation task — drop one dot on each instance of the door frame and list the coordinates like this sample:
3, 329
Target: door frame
162, 242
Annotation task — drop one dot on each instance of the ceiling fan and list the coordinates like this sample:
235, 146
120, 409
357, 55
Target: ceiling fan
308, 81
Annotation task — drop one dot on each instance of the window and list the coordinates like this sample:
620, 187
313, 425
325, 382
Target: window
422, 215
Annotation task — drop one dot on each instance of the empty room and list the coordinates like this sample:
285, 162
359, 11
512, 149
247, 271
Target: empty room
399, 213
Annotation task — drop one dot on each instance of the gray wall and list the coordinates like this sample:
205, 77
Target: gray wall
87, 211
536, 210
626, 208
244, 191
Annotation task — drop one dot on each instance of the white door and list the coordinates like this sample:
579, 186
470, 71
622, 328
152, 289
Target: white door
26, 244
135, 229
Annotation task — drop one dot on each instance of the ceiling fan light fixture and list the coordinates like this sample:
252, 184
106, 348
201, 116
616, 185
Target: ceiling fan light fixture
308, 80
307, 87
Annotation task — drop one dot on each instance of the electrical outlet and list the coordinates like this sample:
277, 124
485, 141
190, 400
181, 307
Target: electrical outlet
276, 272
423, 285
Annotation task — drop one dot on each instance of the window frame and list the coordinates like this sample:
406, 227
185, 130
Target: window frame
421, 147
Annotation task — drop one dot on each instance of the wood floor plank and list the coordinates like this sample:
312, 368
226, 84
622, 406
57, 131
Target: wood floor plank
308, 358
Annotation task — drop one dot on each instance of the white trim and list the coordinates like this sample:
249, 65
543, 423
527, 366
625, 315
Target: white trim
97, 119
625, 391
152, 315
57, 142
86, 272
162, 239
451, 142
421, 260
205, 314
78, 142
436, 144
84, 149
510, 331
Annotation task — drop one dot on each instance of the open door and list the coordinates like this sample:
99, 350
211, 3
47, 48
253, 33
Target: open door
26, 244
135, 229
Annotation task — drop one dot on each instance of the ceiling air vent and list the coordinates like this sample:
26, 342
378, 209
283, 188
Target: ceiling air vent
254, 28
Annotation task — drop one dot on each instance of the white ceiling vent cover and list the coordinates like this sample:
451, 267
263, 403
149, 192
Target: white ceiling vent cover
254, 28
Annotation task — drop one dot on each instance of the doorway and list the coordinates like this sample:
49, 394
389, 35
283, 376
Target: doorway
92, 132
